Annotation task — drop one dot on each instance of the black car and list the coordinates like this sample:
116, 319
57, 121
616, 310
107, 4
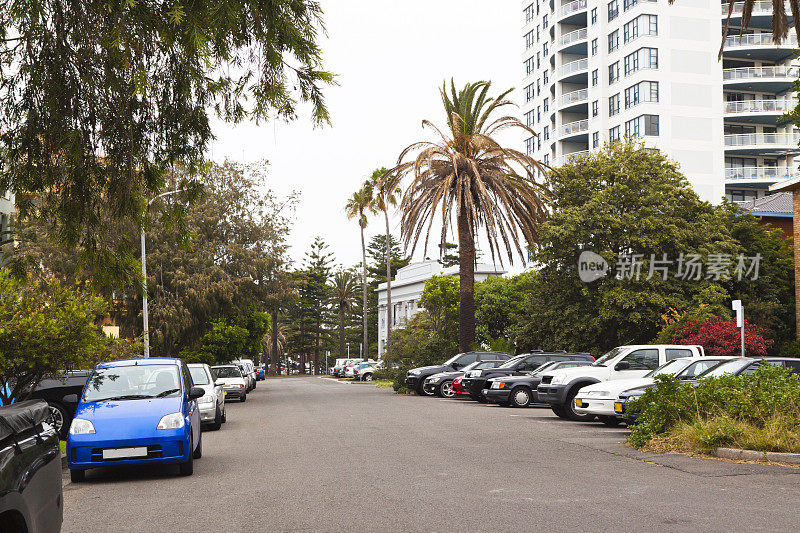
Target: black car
31, 496
441, 384
415, 378
62, 395
474, 381
520, 391
739, 366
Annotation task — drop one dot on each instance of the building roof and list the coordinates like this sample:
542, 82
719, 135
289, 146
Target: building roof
774, 205
425, 270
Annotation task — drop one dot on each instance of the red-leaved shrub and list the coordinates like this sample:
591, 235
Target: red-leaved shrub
722, 338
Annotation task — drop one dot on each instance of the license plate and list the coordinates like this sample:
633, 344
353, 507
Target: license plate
617, 407
579, 403
121, 453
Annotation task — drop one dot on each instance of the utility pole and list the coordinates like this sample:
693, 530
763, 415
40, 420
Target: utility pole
145, 320
739, 308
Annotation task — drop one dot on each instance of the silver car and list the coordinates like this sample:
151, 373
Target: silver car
212, 404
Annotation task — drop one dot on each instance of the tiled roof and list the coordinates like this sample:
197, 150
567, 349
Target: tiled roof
779, 203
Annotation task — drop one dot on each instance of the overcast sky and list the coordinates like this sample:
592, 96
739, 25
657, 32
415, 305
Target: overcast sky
391, 58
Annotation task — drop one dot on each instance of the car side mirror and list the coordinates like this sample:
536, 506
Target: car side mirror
455, 366
196, 392
622, 365
70, 398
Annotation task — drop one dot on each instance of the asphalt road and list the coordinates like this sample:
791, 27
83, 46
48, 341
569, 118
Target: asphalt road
313, 454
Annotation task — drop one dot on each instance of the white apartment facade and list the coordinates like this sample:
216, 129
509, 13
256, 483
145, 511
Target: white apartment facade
7, 210
407, 289
596, 71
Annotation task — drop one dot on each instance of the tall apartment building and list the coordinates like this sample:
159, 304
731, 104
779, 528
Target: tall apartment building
596, 71
7, 210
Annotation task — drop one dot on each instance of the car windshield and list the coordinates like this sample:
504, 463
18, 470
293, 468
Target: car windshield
670, 368
728, 367
452, 360
698, 367
199, 376
511, 362
484, 364
542, 368
608, 356
228, 372
132, 382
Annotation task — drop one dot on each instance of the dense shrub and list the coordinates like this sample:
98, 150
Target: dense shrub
720, 337
719, 411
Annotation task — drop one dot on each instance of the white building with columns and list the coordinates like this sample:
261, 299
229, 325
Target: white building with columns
595, 71
407, 289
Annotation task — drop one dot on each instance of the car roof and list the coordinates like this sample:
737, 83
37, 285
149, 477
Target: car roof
141, 362
224, 366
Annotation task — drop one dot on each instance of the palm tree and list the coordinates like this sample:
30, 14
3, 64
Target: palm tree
386, 194
357, 207
470, 176
344, 291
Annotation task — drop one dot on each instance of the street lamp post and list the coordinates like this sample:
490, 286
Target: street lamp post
145, 320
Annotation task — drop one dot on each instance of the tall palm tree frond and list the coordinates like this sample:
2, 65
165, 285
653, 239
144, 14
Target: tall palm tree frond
780, 21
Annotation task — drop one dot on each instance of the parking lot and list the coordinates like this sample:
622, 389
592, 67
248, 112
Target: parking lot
316, 454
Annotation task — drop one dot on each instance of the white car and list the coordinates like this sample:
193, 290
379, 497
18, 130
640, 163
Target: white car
233, 382
246, 374
212, 404
559, 388
598, 399
251, 370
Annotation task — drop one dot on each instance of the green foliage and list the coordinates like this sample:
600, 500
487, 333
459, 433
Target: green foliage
419, 344
500, 305
718, 406
441, 298
98, 100
47, 327
223, 343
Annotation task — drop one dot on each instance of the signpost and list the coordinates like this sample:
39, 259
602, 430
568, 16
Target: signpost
739, 308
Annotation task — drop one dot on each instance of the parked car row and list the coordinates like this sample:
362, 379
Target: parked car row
357, 369
151, 411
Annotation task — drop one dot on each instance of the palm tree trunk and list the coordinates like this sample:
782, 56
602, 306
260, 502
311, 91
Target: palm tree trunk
388, 280
364, 291
274, 339
342, 354
466, 273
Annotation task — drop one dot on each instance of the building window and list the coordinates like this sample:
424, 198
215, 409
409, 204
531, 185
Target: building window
613, 41
544, 50
594, 47
546, 77
613, 134
546, 132
538, 114
643, 58
529, 13
628, 4
613, 72
529, 66
594, 15
530, 145
651, 126
642, 125
644, 91
530, 118
547, 159
595, 108
546, 104
537, 33
538, 87
529, 39
538, 143
595, 139
538, 59
641, 25
544, 22
738, 196
594, 77
530, 93
613, 10
613, 105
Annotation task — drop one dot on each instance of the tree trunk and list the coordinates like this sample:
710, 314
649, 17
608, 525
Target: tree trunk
342, 353
316, 351
466, 273
274, 340
364, 291
388, 282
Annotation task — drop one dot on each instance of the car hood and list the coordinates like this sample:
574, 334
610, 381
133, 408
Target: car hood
615, 387
230, 381
515, 379
127, 418
600, 372
451, 374
428, 370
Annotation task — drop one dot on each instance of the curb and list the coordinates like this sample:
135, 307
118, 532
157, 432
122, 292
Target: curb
753, 455
63, 462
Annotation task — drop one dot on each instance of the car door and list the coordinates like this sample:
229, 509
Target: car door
218, 390
191, 405
531, 363
639, 362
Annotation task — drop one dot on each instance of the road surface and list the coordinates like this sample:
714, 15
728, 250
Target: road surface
314, 454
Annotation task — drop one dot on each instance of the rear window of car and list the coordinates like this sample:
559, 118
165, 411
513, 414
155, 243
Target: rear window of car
227, 372
199, 376
675, 353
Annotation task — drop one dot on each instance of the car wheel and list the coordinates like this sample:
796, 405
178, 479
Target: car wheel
217, 420
570, 408
224, 415
478, 397
421, 389
520, 397
366, 377
61, 419
559, 411
243, 398
187, 467
610, 421
198, 452
77, 476
445, 390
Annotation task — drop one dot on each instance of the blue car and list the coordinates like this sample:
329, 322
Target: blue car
260, 373
136, 411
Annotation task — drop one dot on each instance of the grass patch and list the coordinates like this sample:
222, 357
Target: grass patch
62, 444
383, 382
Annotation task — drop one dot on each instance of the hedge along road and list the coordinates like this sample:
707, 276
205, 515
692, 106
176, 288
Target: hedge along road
315, 454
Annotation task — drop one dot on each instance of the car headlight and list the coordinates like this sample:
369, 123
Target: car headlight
473, 373
598, 393
498, 385
80, 426
558, 379
434, 380
171, 421
414, 372
208, 398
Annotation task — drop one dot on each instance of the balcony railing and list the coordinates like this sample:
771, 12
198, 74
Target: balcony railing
758, 39
574, 97
749, 73
572, 7
759, 106
572, 128
573, 66
758, 7
571, 37
758, 173
756, 139
574, 155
